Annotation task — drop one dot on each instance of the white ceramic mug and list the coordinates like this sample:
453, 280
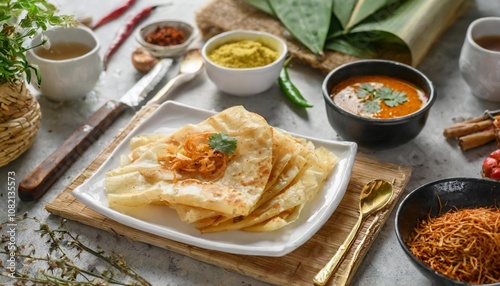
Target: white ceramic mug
480, 67
71, 78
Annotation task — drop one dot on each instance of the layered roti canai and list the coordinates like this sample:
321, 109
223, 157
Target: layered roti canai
232, 171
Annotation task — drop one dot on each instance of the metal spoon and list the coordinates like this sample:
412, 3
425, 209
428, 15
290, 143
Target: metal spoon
374, 196
190, 66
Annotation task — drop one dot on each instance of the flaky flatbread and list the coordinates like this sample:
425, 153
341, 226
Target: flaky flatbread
304, 187
234, 193
261, 185
285, 150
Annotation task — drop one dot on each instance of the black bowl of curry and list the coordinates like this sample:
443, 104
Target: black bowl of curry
377, 103
450, 230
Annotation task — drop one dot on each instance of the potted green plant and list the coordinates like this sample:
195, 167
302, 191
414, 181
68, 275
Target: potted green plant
20, 21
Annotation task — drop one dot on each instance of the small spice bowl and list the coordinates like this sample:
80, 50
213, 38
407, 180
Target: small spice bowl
244, 81
186, 29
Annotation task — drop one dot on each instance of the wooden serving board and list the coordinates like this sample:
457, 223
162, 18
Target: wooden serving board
298, 267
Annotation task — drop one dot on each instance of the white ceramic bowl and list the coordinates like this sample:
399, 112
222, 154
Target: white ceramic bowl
244, 81
166, 51
479, 67
68, 79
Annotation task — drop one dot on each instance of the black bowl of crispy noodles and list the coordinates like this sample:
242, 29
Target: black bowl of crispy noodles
457, 201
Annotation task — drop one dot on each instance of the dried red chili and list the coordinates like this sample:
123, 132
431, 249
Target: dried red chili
115, 13
165, 36
124, 32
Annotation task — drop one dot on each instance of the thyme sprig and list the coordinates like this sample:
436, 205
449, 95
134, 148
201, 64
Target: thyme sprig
58, 266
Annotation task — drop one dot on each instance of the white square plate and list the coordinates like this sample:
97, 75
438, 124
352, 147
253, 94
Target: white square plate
164, 222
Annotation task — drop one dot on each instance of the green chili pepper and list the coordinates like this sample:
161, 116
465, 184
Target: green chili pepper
290, 90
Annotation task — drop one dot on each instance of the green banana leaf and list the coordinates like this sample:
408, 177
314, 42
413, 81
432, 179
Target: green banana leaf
351, 12
308, 21
414, 23
262, 5
401, 30
373, 44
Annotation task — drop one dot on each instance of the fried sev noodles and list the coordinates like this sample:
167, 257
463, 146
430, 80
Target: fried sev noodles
461, 244
195, 156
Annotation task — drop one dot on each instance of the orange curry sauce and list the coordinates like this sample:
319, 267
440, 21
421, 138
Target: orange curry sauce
344, 95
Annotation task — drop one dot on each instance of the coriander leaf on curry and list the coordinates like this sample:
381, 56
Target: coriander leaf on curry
377, 96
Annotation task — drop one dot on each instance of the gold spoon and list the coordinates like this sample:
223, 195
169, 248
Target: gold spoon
374, 196
190, 66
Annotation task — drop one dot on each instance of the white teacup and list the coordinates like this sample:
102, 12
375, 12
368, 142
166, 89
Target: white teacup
480, 67
72, 78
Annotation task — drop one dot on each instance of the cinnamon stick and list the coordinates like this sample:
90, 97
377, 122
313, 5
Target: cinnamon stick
473, 120
470, 120
476, 139
462, 129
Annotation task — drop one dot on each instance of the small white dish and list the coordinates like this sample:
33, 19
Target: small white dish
166, 51
164, 222
244, 81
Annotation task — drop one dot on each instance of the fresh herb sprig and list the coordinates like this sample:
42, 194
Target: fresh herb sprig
222, 142
373, 96
21, 20
58, 265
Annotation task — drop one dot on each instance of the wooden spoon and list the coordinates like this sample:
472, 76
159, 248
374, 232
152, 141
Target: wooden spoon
374, 196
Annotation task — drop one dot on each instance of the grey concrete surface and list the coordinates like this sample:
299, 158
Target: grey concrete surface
430, 154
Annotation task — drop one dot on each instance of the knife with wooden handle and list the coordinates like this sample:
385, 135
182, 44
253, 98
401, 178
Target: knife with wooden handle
36, 183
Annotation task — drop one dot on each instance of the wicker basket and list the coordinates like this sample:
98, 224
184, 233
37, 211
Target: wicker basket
19, 121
